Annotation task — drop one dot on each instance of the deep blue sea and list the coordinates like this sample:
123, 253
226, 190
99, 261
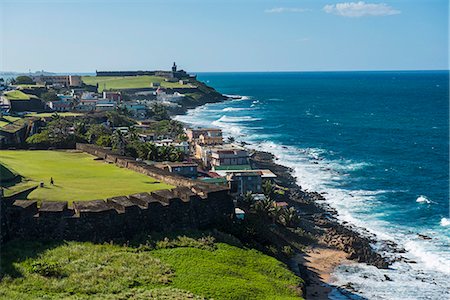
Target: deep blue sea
376, 144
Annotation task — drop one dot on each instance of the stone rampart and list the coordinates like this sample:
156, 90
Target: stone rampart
191, 204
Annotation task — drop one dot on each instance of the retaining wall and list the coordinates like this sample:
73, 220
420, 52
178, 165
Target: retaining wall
192, 204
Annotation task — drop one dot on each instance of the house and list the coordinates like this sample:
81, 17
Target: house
221, 155
205, 136
137, 109
239, 213
266, 175
185, 169
181, 146
59, 105
241, 183
113, 96
226, 155
105, 106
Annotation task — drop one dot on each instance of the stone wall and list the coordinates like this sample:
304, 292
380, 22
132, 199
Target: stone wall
191, 204
119, 217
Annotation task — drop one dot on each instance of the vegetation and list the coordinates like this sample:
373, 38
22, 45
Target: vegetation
159, 112
24, 80
18, 95
128, 82
183, 267
57, 133
49, 96
149, 151
56, 114
73, 174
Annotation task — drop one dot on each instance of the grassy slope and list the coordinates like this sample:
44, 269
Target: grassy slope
77, 176
77, 270
18, 95
127, 82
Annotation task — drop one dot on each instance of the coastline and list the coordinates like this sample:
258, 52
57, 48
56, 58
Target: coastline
336, 243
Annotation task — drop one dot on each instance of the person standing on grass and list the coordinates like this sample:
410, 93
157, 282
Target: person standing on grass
51, 180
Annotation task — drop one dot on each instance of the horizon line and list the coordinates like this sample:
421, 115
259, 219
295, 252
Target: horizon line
268, 71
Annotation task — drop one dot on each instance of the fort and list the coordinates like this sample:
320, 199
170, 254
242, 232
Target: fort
192, 204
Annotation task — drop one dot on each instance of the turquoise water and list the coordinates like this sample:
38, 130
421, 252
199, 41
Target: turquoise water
375, 143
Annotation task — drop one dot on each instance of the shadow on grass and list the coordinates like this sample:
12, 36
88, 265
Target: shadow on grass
19, 250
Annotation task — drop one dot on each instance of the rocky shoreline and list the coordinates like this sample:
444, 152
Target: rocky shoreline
320, 221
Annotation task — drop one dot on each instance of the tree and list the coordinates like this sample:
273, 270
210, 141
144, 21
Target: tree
159, 112
267, 188
116, 119
50, 96
24, 80
231, 139
118, 142
289, 217
95, 132
2, 81
104, 141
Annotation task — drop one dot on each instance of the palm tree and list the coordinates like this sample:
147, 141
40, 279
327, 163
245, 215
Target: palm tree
118, 141
289, 217
231, 139
267, 188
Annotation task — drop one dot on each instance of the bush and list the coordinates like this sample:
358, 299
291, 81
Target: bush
46, 269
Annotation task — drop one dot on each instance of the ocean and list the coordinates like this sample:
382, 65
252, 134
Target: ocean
376, 144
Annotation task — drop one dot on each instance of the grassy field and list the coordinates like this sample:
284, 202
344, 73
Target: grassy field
18, 95
127, 82
61, 114
190, 268
77, 176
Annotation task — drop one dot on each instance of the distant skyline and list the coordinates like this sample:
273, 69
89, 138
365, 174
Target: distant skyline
223, 35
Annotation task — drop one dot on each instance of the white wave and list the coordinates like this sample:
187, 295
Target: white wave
444, 222
423, 250
423, 199
235, 108
228, 119
425, 279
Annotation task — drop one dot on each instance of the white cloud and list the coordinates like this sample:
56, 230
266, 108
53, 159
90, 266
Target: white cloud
360, 9
279, 10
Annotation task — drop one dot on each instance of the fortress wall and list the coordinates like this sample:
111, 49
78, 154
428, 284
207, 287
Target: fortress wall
117, 217
192, 204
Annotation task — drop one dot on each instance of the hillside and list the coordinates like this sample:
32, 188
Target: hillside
195, 267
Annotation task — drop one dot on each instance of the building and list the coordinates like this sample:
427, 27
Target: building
230, 155
205, 136
137, 109
244, 182
185, 169
59, 105
266, 175
63, 80
182, 146
239, 213
113, 96
221, 155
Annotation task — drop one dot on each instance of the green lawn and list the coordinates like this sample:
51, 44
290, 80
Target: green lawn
18, 95
77, 176
127, 82
194, 269
11, 119
61, 114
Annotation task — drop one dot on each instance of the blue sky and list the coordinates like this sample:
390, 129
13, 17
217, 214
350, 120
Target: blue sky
223, 35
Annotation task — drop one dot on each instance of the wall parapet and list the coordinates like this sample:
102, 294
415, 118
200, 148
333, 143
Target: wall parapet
191, 204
